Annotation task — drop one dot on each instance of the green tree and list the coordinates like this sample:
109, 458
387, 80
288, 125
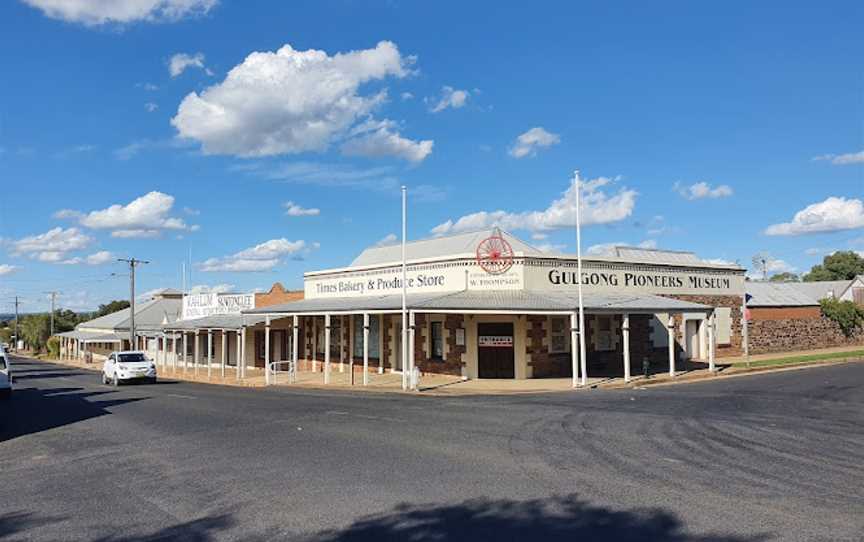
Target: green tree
785, 276
108, 308
847, 314
842, 265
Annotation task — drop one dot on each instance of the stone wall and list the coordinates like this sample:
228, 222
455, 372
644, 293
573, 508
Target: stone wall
734, 348
453, 354
784, 335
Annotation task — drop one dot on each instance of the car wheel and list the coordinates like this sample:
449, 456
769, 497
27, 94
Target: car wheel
115, 381
153, 380
104, 378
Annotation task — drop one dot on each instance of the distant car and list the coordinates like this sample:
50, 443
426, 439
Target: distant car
128, 366
5, 375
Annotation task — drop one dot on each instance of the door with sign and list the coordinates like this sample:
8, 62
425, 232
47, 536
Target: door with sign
495, 351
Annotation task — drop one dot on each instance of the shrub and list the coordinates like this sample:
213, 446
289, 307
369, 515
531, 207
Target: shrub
54, 347
847, 314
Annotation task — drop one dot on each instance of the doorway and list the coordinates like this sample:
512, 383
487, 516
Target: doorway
691, 339
495, 355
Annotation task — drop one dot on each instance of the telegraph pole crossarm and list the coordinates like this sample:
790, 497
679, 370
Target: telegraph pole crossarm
132, 264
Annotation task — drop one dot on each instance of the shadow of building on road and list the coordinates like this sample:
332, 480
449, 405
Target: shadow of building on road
15, 524
32, 410
556, 519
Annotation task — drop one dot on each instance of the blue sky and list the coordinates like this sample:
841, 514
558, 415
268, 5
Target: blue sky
724, 129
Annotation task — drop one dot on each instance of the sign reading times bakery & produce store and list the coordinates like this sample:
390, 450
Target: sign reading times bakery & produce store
201, 305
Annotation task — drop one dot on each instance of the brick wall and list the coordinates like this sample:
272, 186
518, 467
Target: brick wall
277, 294
783, 335
785, 313
452, 363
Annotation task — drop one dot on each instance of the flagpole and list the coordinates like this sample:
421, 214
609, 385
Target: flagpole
404, 289
582, 349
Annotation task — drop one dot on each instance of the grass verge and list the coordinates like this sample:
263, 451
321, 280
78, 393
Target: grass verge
792, 360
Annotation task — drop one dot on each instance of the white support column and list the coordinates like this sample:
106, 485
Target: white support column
163, 349
295, 348
243, 352
381, 331
314, 344
197, 352
238, 361
711, 338
267, 350
366, 349
209, 352
671, 330
326, 348
625, 333
341, 346
412, 376
185, 351
574, 348
224, 349
174, 348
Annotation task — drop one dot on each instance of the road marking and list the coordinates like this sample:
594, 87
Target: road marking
181, 396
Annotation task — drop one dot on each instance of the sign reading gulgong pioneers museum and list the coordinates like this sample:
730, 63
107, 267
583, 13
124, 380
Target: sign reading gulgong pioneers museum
201, 305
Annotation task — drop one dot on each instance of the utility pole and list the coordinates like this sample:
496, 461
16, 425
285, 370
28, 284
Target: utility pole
132, 264
53, 298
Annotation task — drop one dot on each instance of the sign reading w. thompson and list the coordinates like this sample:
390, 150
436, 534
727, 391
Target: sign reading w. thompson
201, 305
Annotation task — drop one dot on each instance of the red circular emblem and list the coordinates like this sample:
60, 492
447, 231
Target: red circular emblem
495, 255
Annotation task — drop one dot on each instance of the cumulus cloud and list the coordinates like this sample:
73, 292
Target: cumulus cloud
379, 139
150, 107
843, 159
702, 190
180, 62
52, 246
599, 206
528, 143
292, 209
261, 257
97, 258
833, 214
146, 216
7, 269
98, 12
289, 101
450, 97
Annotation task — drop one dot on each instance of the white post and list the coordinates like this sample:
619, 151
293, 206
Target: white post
209, 352
174, 347
411, 354
267, 350
314, 344
341, 346
582, 330
671, 330
326, 348
242, 361
404, 289
185, 351
625, 332
574, 347
224, 351
365, 349
239, 354
711, 337
745, 330
197, 354
380, 318
295, 352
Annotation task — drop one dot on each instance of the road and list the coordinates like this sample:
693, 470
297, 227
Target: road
769, 457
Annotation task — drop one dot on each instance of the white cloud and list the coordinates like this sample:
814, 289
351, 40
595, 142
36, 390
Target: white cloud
330, 175
598, 207
539, 236
833, 214
843, 159
551, 247
379, 139
289, 101
150, 107
773, 266
52, 246
215, 289
450, 97
388, 239
146, 216
406, 96
180, 62
702, 190
292, 209
718, 261
97, 258
97, 12
6, 269
528, 143
261, 257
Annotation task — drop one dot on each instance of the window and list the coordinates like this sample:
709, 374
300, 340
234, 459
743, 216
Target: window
723, 321
436, 338
319, 340
604, 338
335, 337
559, 335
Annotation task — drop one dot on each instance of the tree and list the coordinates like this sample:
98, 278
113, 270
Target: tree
842, 265
785, 276
113, 306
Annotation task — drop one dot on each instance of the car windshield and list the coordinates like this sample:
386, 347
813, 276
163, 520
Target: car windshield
131, 358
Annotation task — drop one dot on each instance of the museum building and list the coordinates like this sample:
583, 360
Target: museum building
486, 304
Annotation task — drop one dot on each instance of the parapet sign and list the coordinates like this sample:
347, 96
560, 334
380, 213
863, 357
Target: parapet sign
201, 305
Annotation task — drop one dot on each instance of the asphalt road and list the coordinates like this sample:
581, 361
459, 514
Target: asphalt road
769, 457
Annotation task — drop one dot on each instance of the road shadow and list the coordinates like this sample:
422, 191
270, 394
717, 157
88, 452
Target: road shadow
555, 519
32, 410
198, 530
15, 523
29, 374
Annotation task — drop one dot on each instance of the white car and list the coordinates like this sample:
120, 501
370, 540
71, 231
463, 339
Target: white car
5, 375
127, 366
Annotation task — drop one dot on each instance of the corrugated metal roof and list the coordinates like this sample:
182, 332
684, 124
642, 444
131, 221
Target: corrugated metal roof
488, 300
148, 315
650, 255
222, 321
792, 294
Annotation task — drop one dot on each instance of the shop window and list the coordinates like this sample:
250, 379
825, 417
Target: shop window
259, 346
604, 336
374, 333
319, 340
436, 339
335, 337
559, 335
